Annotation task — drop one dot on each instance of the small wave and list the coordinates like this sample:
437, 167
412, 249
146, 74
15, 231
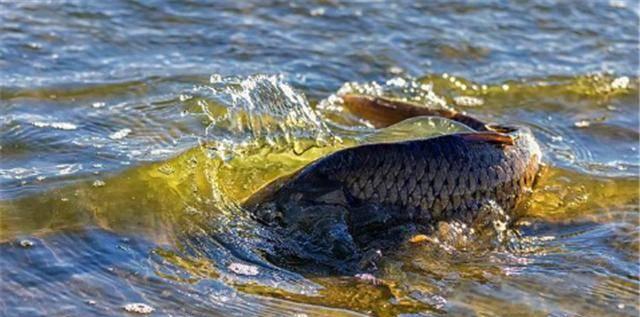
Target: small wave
249, 113
120, 134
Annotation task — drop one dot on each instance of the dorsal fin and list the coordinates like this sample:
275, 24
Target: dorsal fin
488, 136
383, 112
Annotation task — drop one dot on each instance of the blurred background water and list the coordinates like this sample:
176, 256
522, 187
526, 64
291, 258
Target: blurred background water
127, 126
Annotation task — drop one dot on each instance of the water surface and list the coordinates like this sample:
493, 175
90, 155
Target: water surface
130, 130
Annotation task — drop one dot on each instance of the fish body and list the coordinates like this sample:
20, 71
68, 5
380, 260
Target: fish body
359, 197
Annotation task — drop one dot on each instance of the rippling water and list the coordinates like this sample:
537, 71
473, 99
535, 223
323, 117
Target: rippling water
130, 130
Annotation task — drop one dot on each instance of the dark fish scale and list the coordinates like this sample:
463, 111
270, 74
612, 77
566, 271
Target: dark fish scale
410, 165
371, 179
377, 178
427, 198
452, 182
438, 181
392, 195
404, 185
506, 185
355, 189
382, 190
455, 201
411, 188
472, 180
483, 178
416, 194
368, 189
509, 170
493, 173
444, 166
468, 200
436, 208
415, 181
362, 183
500, 175
391, 179
478, 195
444, 202
407, 189
431, 169
420, 172
462, 181
397, 167
444, 191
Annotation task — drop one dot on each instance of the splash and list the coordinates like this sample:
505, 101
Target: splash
490, 231
55, 125
406, 89
259, 112
259, 118
257, 127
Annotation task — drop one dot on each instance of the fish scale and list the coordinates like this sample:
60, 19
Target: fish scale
481, 167
410, 184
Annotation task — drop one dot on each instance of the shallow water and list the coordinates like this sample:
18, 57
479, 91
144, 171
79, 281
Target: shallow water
131, 130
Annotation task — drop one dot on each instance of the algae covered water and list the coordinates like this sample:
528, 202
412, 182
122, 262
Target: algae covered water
131, 130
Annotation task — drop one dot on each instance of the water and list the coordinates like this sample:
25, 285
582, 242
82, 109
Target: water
131, 130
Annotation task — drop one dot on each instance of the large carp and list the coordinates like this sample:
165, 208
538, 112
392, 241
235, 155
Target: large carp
358, 199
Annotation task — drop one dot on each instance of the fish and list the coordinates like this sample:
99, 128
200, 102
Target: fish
354, 201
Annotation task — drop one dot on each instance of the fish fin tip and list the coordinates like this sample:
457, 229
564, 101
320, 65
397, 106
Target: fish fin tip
489, 137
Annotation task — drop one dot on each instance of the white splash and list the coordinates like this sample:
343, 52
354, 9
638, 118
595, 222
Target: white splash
120, 134
139, 308
55, 125
243, 269
468, 101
